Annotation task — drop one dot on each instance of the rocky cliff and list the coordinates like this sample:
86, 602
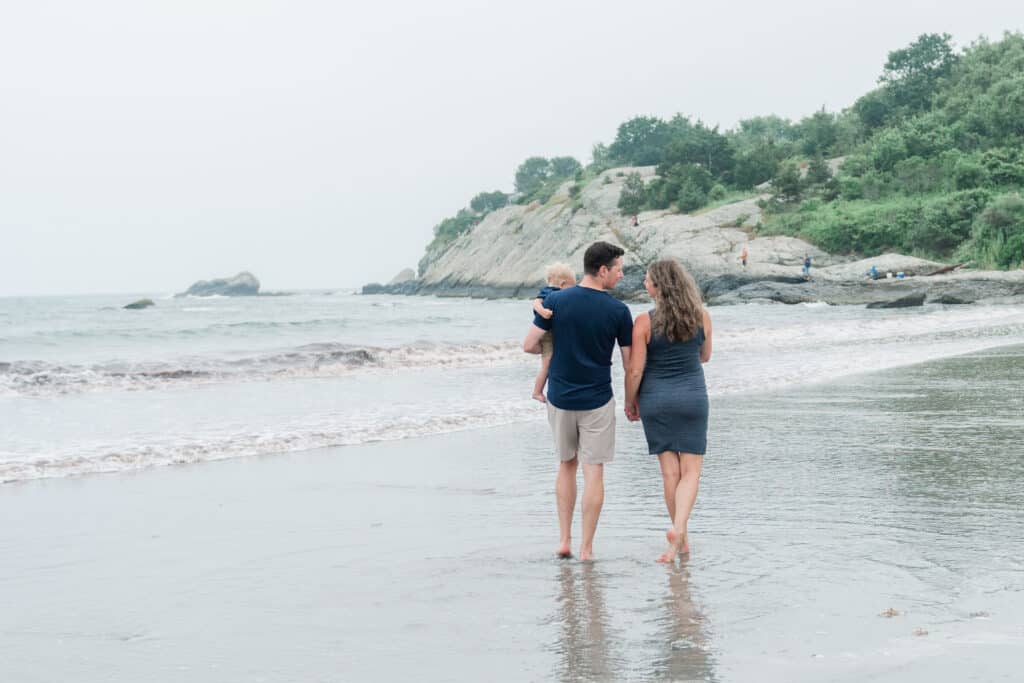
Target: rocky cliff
506, 254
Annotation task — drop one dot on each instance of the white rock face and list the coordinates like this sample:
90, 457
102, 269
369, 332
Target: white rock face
404, 275
512, 246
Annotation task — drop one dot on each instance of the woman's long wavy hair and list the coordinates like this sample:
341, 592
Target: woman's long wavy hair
679, 306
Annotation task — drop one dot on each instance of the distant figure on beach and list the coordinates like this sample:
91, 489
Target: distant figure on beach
873, 273
559, 276
807, 266
636, 220
665, 388
743, 256
586, 323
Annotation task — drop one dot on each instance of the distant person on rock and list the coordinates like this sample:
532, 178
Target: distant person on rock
586, 323
807, 266
559, 276
743, 256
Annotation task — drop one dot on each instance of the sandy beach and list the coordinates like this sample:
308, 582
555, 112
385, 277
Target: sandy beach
820, 509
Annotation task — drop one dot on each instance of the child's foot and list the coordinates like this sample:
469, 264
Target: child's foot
539, 397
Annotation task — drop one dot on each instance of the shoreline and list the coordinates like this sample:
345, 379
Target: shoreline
965, 287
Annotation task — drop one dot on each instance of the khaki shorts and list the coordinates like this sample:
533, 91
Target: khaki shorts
547, 345
586, 434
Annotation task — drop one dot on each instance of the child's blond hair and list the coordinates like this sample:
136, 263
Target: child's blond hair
559, 273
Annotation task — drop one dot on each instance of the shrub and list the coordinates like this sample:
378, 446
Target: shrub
633, 195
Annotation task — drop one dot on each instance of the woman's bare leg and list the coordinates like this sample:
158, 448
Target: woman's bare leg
686, 494
670, 475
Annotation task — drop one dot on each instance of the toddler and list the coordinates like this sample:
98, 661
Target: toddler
559, 276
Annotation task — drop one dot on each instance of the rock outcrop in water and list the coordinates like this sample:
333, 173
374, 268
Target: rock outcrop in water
506, 254
140, 304
243, 284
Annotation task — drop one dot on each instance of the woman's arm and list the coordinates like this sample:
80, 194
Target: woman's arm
637, 360
705, 348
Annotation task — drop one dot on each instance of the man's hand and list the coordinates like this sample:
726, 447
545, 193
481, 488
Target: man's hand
532, 342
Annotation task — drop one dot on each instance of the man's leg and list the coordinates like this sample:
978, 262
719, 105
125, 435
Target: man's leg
565, 498
593, 501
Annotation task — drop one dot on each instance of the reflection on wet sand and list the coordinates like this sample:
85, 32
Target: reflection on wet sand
583, 645
681, 631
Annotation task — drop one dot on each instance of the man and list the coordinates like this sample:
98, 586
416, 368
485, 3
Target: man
807, 266
585, 323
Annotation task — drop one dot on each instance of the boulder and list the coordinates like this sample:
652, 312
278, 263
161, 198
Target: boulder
908, 301
243, 284
948, 299
140, 304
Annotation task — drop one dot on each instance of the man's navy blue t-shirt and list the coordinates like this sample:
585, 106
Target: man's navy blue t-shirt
586, 324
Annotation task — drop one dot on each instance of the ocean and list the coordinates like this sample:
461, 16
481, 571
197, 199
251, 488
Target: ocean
335, 487
88, 387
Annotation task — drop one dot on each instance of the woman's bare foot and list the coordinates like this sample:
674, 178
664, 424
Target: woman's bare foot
587, 554
539, 397
673, 546
563, 550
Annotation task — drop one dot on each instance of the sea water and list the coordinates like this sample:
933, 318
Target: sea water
87, 386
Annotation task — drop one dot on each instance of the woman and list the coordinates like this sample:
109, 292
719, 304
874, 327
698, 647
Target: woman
665, 388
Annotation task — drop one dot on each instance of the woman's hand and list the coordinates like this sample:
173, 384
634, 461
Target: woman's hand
632, 411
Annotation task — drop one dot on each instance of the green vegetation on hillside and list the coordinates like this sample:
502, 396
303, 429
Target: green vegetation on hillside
933, 162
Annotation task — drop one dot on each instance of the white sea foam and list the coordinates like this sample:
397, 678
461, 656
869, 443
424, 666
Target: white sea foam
38, 378
188, 447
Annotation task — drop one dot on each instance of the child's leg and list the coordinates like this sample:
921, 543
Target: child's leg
542, 378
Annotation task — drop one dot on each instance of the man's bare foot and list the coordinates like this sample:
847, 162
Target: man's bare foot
586, 555
540, 397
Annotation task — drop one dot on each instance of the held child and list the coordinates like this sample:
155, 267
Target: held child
559, 276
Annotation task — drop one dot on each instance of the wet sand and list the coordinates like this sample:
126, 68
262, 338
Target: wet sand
432, 558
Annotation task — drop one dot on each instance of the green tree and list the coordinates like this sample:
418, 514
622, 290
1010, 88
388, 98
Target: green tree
912, 75
486, 202
874, 108
786, 182
641, 141
818, 172
564, 167
633, 194
757, 165
818, 133
532, 174
700, 145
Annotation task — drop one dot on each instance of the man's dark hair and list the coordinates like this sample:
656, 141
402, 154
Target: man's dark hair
600, 254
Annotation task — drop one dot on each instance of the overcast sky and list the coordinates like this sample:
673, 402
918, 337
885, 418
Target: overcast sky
145, 145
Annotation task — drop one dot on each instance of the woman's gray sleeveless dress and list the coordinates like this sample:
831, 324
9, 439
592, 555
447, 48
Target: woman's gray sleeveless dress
673, 397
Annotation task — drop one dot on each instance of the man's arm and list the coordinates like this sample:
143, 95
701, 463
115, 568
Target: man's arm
532, 342
626, 353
